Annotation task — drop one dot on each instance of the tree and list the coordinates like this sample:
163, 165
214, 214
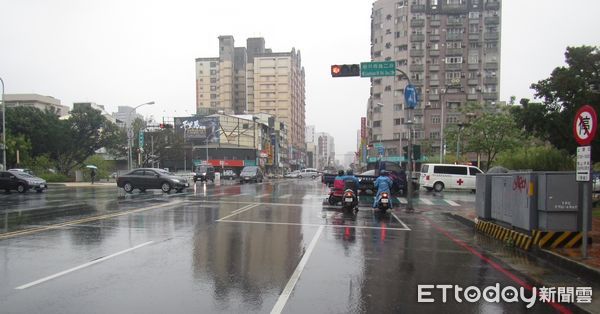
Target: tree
85, 132
488, 135
568, 88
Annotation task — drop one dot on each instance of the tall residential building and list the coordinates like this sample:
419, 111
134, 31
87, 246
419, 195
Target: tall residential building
255, 79
450, 50
126, 115
36, 101
309, 134
325, 151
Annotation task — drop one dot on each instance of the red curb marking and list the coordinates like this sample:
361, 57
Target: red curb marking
560, 308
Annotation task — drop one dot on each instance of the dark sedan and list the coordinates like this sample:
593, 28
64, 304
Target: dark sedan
151, 178
21, 182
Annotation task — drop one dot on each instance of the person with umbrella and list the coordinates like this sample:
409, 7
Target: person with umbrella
93, 170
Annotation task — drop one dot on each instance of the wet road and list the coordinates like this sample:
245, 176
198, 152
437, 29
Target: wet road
269, 247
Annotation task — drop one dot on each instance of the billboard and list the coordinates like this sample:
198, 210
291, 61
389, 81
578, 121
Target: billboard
198, 130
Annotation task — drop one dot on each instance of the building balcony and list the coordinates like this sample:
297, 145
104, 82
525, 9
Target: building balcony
434, 68
491, 50
453, 66
473, 66
492, 20
474, 37
491, 36
491, 66
473, 82
417, 37
417, 53
457, 23
418, 82
490, 80
434, 83
434, 97
417, 23
472, 97
434, 53
434, 37
454, 52
454, 37
490, 96
455, 83
455, 8
416, 68
492, 6
417, 8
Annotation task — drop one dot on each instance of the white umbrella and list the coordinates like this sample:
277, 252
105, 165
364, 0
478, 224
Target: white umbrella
91, 167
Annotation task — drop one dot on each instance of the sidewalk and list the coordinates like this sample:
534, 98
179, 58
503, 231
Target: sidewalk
573, 254
83, 184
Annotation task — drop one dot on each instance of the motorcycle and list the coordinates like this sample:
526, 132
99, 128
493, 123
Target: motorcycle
383, 204
349, 200
335, 196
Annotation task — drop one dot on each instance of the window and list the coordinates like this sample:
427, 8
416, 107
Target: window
433, 91
453, 75
473, 58
450, 170
435, 119
453, 60
402, 62
434, 3
474, 171
455, 30
213, 72
454, 44
474, 15
376, 124
399, 121
473, 28
451, 119
213, 64
397, 107
397, 136
387, 88
434, 135
213, 81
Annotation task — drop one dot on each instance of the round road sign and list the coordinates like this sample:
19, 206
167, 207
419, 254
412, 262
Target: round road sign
585, 125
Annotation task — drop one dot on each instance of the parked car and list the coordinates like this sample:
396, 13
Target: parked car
294, 174
28, 171
21, 182
151, 178
438, 177
229, 174
205, 173
308, 173
251, 174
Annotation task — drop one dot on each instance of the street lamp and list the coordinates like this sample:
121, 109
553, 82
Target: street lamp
130, 132
3, 128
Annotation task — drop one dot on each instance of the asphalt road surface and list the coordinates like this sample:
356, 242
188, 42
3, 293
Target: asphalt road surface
253, 248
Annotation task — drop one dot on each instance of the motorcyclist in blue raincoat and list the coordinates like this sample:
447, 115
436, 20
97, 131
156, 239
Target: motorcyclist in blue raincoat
383, 184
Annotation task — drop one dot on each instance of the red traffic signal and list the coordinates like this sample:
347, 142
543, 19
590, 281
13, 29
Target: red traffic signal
345, 70
162, 125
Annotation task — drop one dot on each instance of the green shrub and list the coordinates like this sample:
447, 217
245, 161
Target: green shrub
55, 177
537, 158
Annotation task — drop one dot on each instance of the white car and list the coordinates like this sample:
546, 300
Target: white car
308, 173
438, 177
293, 174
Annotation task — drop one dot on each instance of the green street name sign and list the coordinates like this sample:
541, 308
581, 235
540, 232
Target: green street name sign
375, 69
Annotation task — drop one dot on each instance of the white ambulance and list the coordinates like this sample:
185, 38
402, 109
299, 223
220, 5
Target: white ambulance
438, 177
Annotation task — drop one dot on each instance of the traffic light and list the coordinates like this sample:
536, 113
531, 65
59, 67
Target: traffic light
162, 125
165, 126
416, 152
345, 70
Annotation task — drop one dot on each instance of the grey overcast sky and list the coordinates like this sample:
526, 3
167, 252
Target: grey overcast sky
123, 52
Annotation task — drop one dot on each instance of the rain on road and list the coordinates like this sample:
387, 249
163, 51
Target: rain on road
270, 247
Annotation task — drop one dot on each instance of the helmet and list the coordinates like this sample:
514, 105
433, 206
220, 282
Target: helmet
340, 172
384, 172
349, 172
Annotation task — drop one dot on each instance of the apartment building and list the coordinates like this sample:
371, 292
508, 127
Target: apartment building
37, 101
450, 50
252, 80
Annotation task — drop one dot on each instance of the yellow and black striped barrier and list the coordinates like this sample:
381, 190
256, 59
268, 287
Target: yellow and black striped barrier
556, 239
506, 235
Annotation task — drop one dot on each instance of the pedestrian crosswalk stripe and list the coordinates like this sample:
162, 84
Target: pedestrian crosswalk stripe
452, 203
263, 195
285, 196
426, 201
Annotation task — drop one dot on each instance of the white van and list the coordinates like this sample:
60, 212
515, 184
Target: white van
308, 173
447, 176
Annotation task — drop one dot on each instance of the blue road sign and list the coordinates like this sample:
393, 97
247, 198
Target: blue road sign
381, 150
411, 97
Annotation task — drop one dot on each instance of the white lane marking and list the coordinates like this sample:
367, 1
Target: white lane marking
426, 201
262, 195
285, 196
238, 211
289, 287
62, 273
317, 225
401, 222
402, 200
452, 203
